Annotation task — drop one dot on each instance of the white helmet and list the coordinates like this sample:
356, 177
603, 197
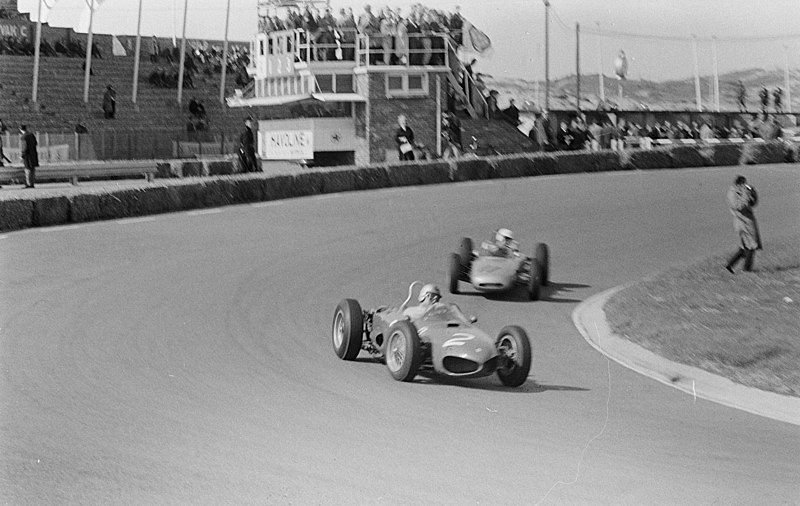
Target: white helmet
429, 289
504, 234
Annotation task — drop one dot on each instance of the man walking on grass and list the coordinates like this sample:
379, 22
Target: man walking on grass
742, 198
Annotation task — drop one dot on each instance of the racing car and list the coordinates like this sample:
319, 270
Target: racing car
440, 339
491, 269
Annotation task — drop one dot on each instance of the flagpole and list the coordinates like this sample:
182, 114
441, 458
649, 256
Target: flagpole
183, 53
136, 58
36, 51
600, 72
224, 56
88, 70
788, 82
716, 73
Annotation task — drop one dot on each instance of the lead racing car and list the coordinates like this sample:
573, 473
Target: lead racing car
499, 266
428, 337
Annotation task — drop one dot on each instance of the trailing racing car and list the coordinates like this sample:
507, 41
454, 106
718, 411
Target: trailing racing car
499, 266
433, 336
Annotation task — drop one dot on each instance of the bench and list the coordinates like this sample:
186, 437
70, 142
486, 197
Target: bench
73, 171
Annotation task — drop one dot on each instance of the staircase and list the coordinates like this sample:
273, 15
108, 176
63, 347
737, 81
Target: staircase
61, 105
494, 133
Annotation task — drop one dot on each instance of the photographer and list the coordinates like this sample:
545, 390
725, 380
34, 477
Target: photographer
742, 198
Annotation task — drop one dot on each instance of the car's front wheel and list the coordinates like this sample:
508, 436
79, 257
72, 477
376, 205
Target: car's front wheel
514, 349
543, 256
453, 272
465, 253
534, 287
403, 351
348, 329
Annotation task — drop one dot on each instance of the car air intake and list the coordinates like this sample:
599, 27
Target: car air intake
458, 365
490, 285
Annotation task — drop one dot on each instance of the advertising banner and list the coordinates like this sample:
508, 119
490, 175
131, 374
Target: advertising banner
19, 29
286, 144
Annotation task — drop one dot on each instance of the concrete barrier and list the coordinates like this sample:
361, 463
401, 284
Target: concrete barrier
176, 194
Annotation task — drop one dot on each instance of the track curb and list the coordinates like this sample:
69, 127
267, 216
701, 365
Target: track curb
590, 320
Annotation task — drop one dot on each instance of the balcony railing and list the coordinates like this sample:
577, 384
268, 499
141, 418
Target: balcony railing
347, 45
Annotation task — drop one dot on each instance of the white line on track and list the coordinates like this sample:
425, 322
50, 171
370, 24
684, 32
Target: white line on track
204, 211
129, 221
266, 204
326, 196
63, 228
3, 237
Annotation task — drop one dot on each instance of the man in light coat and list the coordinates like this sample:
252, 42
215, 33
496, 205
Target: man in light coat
742, 198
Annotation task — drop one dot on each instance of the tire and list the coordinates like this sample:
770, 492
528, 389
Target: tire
403, 351
543, 256
347, 332
534, 287
453, 272
465, 253
515, 349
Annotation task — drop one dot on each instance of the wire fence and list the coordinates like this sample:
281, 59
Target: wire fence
108, 144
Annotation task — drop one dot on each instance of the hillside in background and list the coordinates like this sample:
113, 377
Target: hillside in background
677, 95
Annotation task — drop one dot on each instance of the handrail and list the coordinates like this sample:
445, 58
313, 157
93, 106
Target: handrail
470, 86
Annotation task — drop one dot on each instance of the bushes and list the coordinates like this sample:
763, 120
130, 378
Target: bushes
184, 194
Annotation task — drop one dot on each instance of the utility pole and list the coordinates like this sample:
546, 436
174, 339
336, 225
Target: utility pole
696, 75
787, 80
224, 56
547, 54
38, 42
578, 67
600, 75
716, 73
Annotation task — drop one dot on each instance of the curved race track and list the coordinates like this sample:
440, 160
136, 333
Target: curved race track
186, 358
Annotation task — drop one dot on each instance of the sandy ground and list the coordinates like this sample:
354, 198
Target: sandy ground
186, 358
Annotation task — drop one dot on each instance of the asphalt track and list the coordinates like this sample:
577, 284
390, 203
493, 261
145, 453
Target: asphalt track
186, 358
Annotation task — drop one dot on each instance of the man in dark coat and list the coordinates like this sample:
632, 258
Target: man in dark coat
511, 113
404, 137
247, 148
742, 198
109, 102
29, 154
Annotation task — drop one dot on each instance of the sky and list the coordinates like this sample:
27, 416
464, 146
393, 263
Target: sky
749, 32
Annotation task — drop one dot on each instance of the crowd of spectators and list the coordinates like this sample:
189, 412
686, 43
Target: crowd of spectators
394, 38
201, 59
597, 134
69, 48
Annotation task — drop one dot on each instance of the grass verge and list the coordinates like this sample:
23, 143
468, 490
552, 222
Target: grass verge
744, 326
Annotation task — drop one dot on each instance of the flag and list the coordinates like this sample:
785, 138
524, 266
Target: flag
32, 7
117, 48
83, 24
474, 42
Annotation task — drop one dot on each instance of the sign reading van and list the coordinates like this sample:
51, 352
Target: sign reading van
286, 144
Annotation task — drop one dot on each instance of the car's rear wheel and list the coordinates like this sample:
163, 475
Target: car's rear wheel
543, 256
348, 329
534, 287
403, 351
465, 253
453, 272
514, 349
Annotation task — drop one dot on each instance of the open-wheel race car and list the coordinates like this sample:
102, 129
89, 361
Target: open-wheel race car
499, 268
436, 337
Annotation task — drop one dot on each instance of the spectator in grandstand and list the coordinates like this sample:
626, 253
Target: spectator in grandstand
741, 96
540, 133
764, 96
346, 29
770, 129
109, 102
491, 104
369, 25
706, 132
451, 136
777, 99
2, 155
511, 113
456, 25
563, 137
247, 148
29, 155
742, 198
197, 109
595, 133
404, 137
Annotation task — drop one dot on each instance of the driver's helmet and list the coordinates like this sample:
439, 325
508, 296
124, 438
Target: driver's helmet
430, 290
504, 236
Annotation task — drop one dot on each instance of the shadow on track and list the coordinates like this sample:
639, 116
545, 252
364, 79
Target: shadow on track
549, 293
